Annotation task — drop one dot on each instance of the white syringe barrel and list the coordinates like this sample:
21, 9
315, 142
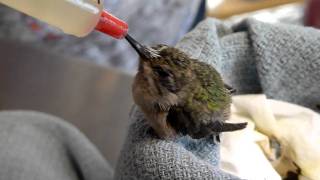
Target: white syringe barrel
76, 17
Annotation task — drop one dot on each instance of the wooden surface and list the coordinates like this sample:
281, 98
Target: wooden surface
232, 7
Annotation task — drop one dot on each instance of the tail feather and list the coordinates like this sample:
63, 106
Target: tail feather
227, 127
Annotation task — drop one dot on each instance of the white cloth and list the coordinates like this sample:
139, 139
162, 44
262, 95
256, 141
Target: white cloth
246, 153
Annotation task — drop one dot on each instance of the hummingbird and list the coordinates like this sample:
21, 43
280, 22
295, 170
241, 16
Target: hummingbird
181, 95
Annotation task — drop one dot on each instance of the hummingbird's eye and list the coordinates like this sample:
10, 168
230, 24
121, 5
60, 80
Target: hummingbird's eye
161, 72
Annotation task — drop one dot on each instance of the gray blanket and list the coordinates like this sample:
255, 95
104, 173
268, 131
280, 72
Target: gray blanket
281, 61
36, 146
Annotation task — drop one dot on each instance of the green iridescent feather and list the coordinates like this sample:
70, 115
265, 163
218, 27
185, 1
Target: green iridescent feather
211, 90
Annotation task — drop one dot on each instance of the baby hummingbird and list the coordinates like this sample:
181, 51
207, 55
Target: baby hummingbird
181, 95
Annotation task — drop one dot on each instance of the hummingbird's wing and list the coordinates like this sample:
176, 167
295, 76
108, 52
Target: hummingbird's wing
186, 122
206, 102
207, 106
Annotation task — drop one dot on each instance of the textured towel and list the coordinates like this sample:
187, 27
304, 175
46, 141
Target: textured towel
36, 146
280, 60
283, 61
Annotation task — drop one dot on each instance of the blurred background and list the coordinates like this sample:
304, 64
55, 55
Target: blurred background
87, 81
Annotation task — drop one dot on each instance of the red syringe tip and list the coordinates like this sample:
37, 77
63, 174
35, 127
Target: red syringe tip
112, 26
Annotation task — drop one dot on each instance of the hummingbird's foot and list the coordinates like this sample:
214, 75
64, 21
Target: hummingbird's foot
230, 89
216, 139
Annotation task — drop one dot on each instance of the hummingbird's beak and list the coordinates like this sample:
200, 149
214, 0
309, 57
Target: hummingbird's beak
144, 52
136, 46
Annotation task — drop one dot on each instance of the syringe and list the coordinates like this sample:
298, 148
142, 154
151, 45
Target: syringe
76, 17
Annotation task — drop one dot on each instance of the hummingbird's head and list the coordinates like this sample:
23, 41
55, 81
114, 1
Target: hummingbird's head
167, 73
159, 84
162, 81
